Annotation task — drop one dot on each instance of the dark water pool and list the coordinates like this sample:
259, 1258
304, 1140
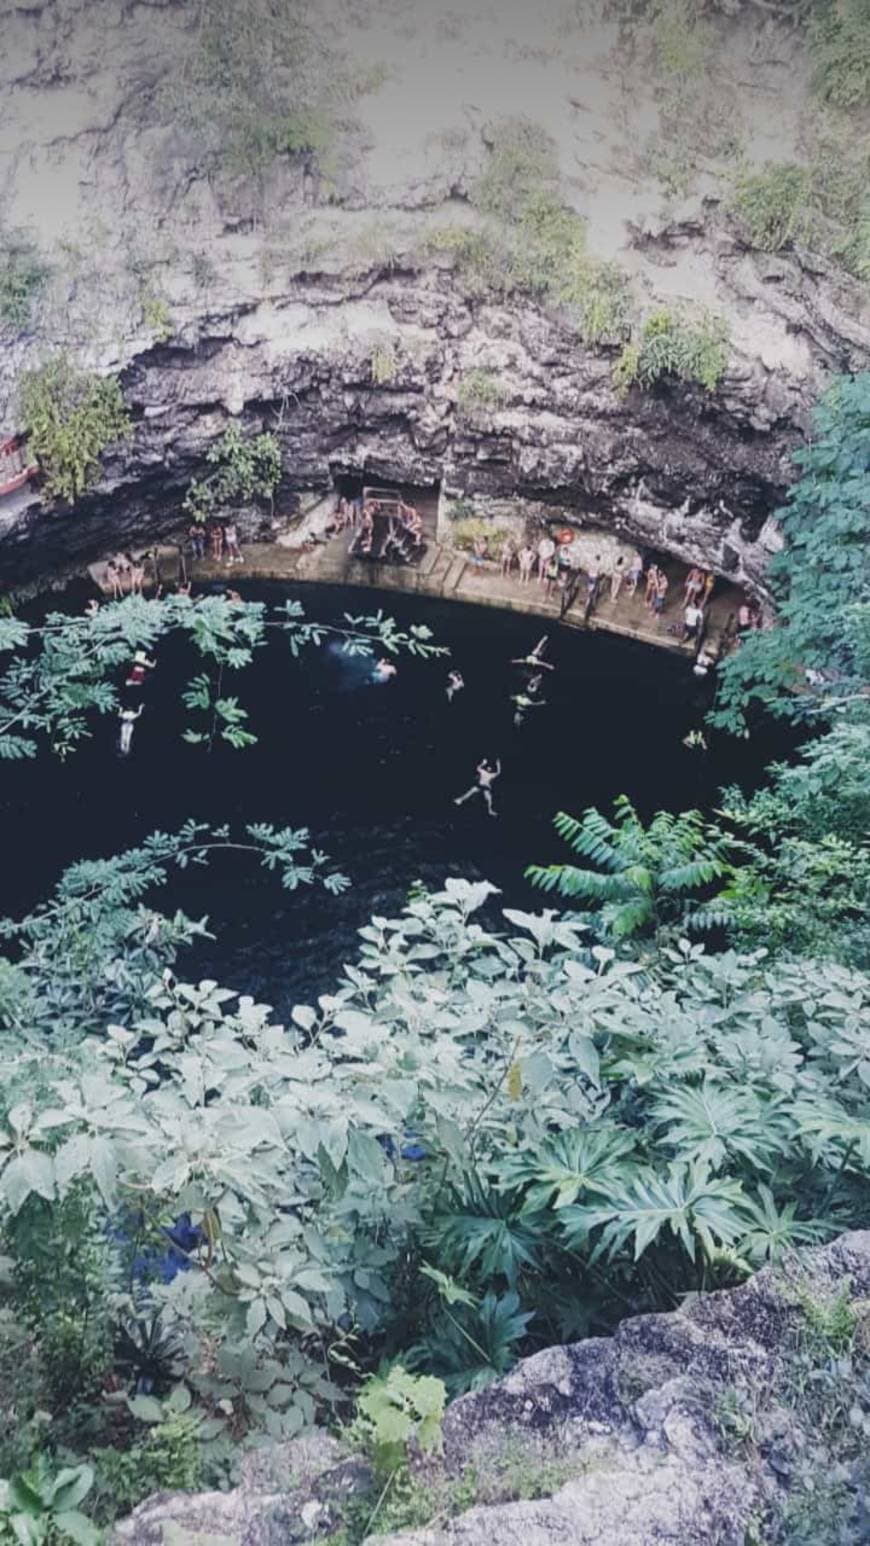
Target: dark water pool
371, 770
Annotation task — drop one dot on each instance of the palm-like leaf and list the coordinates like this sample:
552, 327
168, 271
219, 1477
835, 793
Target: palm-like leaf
483, 1232
585, 1159
686, 1200
637, 868
773, 1229
715, 1123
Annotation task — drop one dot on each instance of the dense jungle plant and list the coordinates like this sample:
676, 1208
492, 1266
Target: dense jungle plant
672, 345
643, 875
245, 468
821, 581
22, 276
465, 1130
73, 416
65, 670
771, 204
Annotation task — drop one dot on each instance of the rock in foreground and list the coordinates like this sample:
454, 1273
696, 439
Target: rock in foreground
704, 1426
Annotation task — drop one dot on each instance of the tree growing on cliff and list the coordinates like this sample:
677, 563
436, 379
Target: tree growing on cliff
821, 580
244, 467
73, 416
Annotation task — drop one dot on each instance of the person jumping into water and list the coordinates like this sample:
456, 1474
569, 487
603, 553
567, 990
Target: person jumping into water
535, 659
486, 777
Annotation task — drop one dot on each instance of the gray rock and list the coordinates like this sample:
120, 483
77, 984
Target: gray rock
612, 1441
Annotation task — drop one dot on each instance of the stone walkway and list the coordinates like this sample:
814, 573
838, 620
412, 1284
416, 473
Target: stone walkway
445, 573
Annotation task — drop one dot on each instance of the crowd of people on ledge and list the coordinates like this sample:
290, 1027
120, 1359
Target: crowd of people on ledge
385, 529
549, 562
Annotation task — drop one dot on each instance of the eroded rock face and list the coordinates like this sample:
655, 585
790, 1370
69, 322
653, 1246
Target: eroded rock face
608, 1442
276, 296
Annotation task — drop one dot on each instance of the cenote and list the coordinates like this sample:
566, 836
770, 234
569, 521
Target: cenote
371, 771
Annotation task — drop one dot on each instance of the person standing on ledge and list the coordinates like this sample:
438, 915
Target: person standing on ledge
486, 777
546, 549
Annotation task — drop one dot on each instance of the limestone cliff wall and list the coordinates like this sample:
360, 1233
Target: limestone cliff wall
278, 294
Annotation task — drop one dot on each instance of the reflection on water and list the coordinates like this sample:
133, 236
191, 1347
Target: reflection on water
371, 769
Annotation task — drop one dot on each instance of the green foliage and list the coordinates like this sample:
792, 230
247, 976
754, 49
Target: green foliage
643, 874
821, 580
670, 345
73, 417
22, 276
168, 1459
466, 530
245, 468
396, 1408
771, 204
385, 363
531, 242
155, 315
41, 1506
840, 39
682, 39
63, 671
479, 389
252, 83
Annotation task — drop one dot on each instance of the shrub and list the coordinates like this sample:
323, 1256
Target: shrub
478, 389
155, 315
467, 530
522, 162
681, 39
245, 468
73, 416
771, 204
251, 83
673, 345
385, 363
22, 275
840, 39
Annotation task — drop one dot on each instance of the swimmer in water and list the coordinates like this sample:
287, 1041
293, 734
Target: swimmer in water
455, 684
384, 671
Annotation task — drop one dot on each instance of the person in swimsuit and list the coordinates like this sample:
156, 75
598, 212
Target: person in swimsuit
652, 580
128, 718
546, 549
384, 671
526, 561
634, 574
486, 777
139, 670
455, 684
231, 544
617, 575
535, 659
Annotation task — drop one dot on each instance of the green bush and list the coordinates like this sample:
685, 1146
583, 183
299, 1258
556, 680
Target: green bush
251, 83
466, 530
672, 345
22, 276
479, 389
682, 40
840, 39
167, 1459
772, 204
73, 416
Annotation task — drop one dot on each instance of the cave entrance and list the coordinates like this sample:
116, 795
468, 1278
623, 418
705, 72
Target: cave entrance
393, 522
